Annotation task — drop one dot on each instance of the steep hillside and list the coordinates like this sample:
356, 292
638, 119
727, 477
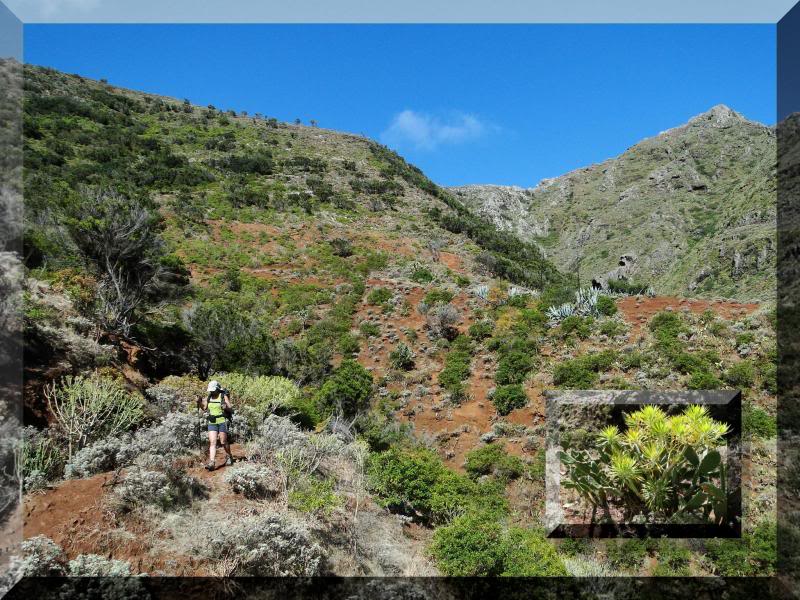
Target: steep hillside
692, 210
387, 351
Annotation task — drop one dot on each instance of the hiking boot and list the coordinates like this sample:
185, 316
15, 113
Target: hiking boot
229, 461
210, 467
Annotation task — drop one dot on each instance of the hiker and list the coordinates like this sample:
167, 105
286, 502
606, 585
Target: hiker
218, 405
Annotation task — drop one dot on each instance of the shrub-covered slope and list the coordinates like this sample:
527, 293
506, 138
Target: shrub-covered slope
693, 208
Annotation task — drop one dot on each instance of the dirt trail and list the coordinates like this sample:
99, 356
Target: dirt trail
76, 515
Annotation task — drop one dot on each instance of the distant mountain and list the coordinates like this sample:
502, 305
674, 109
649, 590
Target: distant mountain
691, 210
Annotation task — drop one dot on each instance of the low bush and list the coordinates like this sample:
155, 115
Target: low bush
580, 326
265, 545
167, 490
673, 559
756, 422
265, 394
492, 459
421, 274
703, 380
755, 554
612, 328
741, 375
415, 482
606, 306
252, 480
474, 545
508, 397
42, 557
42, 458
347, 391
437, 296
313, 495
574, 374
104, 455
456, 368
514, 367
626, 554
623, 286
481, 330
369, 329
379, 296
402, 358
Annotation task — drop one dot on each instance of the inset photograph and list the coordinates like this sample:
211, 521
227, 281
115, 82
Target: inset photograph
644, 464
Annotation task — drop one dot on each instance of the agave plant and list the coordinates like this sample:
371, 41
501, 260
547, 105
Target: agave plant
666, 465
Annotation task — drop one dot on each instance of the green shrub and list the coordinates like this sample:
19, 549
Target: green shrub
348, 390
757, 422
612, 328
661, 465
348, 345
402, 357
456, 368
438, 296
744, 339
673, 559
421, 275
666, 327
379, 296
474, 545
369, 329
514, 367
492, 459
481, 330
265, 394
740, 375
575, 546
316, 496
688, 363
581, 326
508, 397
622, 286
626, 554
527, 553
470, 546
574, 374
631, 360
769, 377
703, 380
755, 554
415, 482
606, 306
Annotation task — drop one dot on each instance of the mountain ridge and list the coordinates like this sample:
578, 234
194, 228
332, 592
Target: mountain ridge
716, 173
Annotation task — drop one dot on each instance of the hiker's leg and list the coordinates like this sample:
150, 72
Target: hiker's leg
223, 439
212, 446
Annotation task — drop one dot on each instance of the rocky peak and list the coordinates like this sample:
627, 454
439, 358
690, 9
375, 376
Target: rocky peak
718, 116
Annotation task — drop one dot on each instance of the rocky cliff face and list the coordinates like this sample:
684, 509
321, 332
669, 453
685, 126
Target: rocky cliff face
695, 205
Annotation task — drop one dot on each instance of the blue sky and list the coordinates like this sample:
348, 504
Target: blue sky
507, 104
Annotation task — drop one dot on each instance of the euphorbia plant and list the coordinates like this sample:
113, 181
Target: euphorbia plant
668, 466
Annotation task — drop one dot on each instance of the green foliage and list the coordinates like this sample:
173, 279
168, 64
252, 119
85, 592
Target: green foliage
630, 288
514, 367
581, 326
348, 345
612, 328
480, 330
626, 554
660, 465
379, 296
492, 459
438, 296
673, 559
86, 409
313, 495
757, 422
456, 368
606, 306
415, 482
575, 546
402, 357
741, 375
508, 397
703, 380
369, 329
347, 391
421, 274
473, 545
581, 372
666, 326
756, 554
264, 394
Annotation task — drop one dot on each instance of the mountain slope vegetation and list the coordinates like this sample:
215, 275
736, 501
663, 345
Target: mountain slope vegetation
387, 350
692, 211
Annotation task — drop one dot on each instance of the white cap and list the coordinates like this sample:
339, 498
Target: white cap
213, 386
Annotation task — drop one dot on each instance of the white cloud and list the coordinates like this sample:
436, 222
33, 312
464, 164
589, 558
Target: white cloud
427, 132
